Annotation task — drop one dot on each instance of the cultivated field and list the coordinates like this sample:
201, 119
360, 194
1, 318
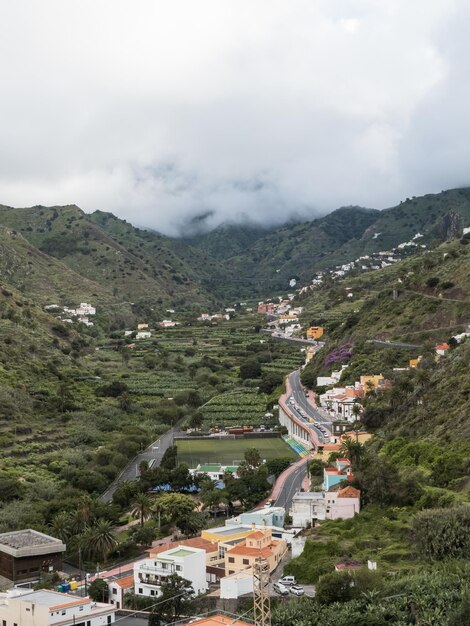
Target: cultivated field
226, 451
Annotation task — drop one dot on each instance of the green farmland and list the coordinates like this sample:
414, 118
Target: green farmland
226, 451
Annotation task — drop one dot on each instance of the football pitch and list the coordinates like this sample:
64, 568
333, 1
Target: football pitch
228, 451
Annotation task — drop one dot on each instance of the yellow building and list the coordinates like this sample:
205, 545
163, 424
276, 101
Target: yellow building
370, 383
223, 534
259, 543
314, 332
415, 362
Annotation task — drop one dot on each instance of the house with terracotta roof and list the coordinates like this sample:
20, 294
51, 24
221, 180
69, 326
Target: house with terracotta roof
217, 620
118, 588
45, 607
308, 507
441, 349
334, 475
259, 543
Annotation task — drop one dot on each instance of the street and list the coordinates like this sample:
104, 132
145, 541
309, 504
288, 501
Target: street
154, 452
311, 411
292, 484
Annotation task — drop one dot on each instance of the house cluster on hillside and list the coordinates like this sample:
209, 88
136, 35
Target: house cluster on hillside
209, 317
344, 403
224, 556
80, 314
365, 263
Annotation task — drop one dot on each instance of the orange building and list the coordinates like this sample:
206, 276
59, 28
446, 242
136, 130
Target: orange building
259, 543
217, 620
315, 332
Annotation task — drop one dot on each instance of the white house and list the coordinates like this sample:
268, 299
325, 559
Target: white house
85, 309
310, 506
237, 584
143, 334
187, 562
45, 607
118, 588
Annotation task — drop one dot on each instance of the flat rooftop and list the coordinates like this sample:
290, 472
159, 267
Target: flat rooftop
29, 542
228, 531
46, 597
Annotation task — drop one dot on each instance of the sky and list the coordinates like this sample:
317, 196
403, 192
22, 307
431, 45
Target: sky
241, 110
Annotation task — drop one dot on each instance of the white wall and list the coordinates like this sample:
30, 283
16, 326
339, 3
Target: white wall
235, 586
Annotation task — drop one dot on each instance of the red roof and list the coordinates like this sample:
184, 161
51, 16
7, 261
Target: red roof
244, 551
349, 492
126, 582
195, 542
442, 346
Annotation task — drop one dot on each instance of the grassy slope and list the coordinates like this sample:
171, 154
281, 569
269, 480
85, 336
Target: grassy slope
121, 262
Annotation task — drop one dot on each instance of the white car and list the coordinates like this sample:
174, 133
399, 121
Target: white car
297, 590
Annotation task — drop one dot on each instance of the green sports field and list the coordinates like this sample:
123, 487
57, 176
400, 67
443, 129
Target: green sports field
227, 451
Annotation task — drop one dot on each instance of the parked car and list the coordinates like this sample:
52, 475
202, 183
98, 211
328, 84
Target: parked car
288, 581
297, 590
280, 589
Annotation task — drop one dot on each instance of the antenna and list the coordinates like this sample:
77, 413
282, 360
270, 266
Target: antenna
261, 600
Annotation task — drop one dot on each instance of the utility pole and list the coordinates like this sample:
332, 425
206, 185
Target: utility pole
261, 599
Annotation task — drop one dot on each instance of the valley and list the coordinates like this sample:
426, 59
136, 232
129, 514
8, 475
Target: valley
170, 357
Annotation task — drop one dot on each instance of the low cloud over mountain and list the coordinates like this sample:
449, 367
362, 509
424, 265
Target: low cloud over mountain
163, 111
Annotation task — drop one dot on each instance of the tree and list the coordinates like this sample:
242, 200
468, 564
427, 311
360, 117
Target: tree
98, 590
196, 420
98, 541
141, 507
125, 402
251, 368
176, 599
61, 526
169, 458
269, 382
352, 450
277, 466
253, 457
177, 509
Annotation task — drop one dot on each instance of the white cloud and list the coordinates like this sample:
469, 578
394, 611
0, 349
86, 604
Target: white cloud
161, 110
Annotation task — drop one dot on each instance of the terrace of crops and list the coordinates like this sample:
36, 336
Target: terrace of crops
181, 355
229, 451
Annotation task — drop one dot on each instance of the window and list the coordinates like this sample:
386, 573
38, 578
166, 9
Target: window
115, 591
231, 559
178, 568
64, 612
109, 619
246, 562
140, 590
80, 608
231, 572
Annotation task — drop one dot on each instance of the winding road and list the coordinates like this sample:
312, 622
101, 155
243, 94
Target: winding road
312, 412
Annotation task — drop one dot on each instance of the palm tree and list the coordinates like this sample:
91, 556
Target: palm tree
141, 507
352, 450
61, 526
356, 411
102, 535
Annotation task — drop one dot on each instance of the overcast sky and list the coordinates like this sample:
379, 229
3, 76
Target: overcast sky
162, 110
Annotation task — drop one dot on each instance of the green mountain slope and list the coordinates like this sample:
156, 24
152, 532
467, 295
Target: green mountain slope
130, 264
265, 263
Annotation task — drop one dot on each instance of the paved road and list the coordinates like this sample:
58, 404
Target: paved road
393, 344
312, 412
292, 485
154, 452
